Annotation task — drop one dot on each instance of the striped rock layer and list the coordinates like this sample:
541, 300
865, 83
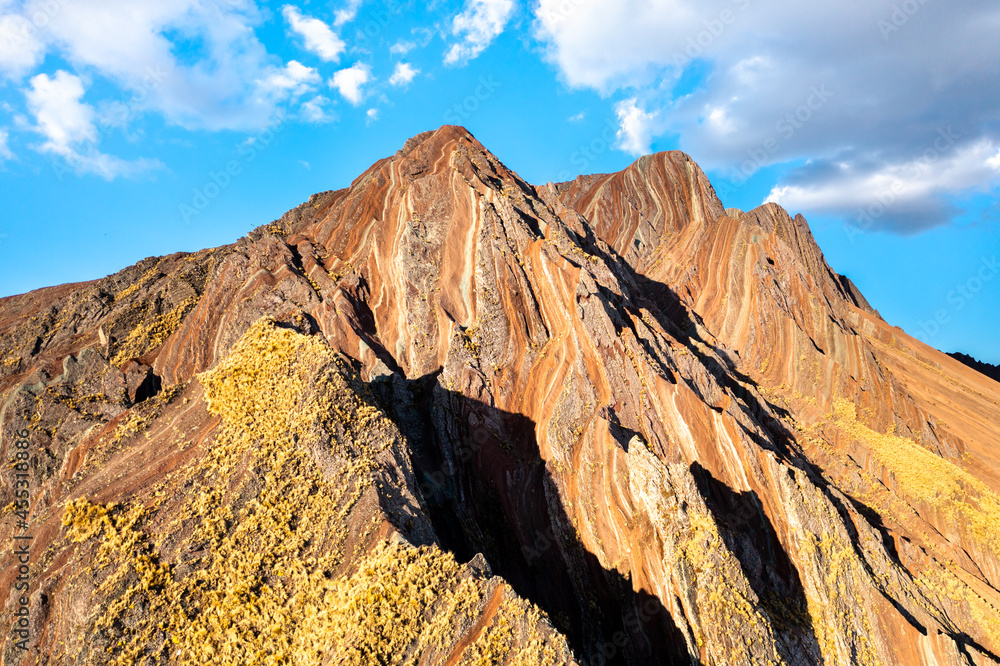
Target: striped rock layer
443, 416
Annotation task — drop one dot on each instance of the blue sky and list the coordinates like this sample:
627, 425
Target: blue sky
146, 127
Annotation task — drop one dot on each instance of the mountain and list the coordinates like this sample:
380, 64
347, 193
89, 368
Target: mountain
988, 369
443, 416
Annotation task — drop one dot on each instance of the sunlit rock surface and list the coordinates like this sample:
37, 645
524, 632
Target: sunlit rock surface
444, 416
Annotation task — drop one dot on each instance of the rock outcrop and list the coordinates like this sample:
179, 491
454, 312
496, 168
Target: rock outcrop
443, 416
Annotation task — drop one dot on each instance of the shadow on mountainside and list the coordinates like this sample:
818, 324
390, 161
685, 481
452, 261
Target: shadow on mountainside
666, 307
674, 316
488, 491
750, 536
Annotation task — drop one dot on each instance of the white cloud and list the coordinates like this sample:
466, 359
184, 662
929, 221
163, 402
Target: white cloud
403, 74
605, 44
5, 152
315, 111
780, 83
372, 115
718, 118
350, 81
318, 37
401, 48
478, 25
293, 81
21, 48
347, 14
67, 123
903, 195
214, 85
62, 117
577, 117
635, 127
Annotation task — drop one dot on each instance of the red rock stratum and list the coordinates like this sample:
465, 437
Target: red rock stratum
443, 416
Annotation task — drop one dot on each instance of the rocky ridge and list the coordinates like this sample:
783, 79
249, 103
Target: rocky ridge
445, 416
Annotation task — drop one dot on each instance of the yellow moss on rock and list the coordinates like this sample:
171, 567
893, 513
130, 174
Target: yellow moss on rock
134, 287
254, 581
512, 638
148, 336
85, 519
939, 582
924, 476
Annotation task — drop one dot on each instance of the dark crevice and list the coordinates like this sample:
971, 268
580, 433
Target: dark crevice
356, 291
149, 388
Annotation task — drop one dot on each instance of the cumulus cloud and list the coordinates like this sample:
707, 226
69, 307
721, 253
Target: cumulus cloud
349, 82
402, 47
314, 110
62, 117
605, 44
294, 80
476, 27
213, 86
317, 37
67, 123
21, 46
866, 85
347, 13
402, 74
901, 196
372, 115
635, 127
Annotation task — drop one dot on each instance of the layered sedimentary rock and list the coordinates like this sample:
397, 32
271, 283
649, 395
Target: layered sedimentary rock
443, 416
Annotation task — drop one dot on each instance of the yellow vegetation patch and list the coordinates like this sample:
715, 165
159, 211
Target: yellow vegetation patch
148, 336
134, 287
132, 424
258, 583
838, 572
924, 476
940, 582
85, 519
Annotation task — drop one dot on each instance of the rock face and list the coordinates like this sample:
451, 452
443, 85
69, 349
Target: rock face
444, 416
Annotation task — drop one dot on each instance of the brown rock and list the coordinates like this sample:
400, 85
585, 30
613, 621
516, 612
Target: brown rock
671, 427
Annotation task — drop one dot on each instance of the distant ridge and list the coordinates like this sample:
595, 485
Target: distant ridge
991, 371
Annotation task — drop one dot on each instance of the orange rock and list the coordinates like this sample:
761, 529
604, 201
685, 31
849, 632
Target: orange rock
671, 427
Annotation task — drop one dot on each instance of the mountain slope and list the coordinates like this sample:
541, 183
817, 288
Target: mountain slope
656, 430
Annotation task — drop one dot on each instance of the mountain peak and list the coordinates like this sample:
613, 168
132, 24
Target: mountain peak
599, 420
